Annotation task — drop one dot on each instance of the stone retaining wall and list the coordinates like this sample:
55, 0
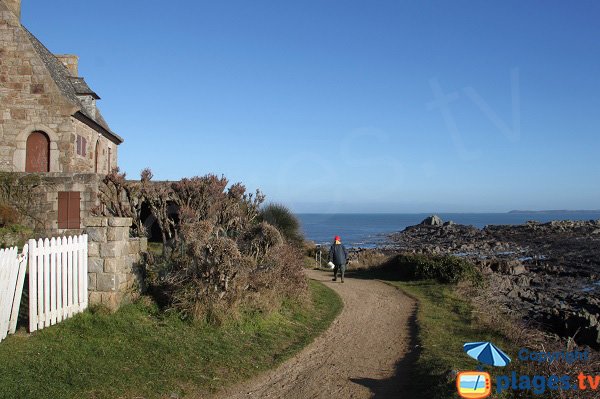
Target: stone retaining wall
87, 184
45, 209
113, 260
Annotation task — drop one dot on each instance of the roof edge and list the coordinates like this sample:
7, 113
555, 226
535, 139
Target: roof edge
115, 138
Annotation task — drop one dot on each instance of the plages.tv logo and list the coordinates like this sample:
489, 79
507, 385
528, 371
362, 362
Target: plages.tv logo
474, 384
478, 384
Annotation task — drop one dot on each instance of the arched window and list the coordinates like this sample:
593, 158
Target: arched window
37, 155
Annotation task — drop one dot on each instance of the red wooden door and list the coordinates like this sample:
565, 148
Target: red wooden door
37, 155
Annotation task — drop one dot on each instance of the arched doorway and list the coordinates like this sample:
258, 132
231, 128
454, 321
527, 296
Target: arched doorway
37, 155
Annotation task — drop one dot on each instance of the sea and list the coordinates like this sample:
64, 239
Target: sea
361, 230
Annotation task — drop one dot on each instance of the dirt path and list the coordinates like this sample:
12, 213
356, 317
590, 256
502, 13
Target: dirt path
362, 355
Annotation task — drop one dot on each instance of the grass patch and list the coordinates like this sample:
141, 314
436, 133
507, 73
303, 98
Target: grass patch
141, 352
14, 235
155, 248
445, 323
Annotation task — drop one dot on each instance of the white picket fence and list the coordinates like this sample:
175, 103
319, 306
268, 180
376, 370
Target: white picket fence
58, 280
12, 275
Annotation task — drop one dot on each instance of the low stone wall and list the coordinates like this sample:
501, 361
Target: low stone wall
113, 259
47, 206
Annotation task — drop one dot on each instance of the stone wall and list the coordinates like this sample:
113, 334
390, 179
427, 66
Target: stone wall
47, 207
96, 145
29, 100
113, 260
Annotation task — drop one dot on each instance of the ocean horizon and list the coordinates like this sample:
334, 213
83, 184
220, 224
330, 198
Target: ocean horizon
369, 230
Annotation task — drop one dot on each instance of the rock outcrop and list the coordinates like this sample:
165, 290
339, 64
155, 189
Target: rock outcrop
433, 220
547, 272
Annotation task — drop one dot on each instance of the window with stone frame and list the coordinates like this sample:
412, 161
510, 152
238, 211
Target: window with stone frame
81, 146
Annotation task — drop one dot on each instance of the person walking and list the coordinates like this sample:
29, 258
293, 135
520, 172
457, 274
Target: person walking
338, 254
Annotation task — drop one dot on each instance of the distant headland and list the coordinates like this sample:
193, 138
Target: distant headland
556, 211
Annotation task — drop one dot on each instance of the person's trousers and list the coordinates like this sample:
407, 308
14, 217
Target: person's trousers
341, 269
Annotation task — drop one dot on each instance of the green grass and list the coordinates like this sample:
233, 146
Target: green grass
155, 248
140, 352
14, 235
445, 322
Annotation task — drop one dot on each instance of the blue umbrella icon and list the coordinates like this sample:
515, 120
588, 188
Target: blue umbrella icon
487, 353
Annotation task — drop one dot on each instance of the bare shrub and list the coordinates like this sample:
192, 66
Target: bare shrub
278, 275
160, 197
226, 258
202, 283
123, 198
260, 239
231, 210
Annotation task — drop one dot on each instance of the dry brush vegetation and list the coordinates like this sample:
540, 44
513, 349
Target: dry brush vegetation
220, 253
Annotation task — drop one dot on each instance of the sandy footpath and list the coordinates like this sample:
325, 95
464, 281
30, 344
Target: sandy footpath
362, 355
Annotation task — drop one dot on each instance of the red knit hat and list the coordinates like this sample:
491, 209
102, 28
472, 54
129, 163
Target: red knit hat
337, 238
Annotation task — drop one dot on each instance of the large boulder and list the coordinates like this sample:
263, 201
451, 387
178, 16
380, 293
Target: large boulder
433, 220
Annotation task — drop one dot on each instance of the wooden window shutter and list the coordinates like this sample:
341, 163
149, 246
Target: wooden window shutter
69, 209
73, 213
81, 146
63, 209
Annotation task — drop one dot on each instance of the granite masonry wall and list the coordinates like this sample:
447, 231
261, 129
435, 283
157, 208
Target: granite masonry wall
30, 101
46, 209
113, 261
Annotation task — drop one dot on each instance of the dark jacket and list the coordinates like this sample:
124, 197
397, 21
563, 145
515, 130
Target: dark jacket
338, 254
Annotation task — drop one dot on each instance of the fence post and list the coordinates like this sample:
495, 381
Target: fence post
22, 266
53, 290
83, 276
84, 251
46, 287
65, 277
70, 276
33, 295
75, 247
59, 281
5, 274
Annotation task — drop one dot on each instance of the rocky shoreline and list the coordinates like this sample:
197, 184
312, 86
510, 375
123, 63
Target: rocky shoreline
545, 272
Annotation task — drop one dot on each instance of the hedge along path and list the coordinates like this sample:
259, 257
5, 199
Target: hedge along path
366, 353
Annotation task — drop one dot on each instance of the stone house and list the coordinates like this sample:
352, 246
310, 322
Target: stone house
50, 124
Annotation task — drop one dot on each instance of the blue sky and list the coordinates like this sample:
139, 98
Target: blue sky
350, 106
